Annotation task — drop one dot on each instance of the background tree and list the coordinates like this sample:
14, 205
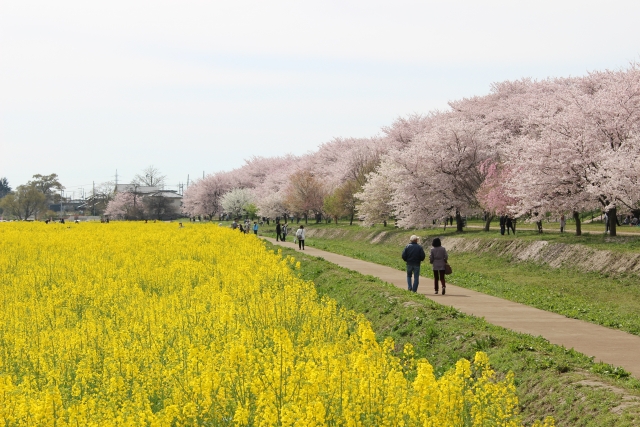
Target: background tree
236, 202
346, 197
333, 206
553, 146
204, 197
251, 209
492, 194
97, 202
47, 184
150, 176
305, 194
439, 173
25, 202
272, 206
121, 206
374, 201
158, 206
5, 188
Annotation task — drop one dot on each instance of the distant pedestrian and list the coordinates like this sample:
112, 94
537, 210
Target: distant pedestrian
503, 223
278, 231
509, 224
413, 254
538, 222
234, 224
255, 228
606, 223
285, 230
300, 237
563, 223
438, 258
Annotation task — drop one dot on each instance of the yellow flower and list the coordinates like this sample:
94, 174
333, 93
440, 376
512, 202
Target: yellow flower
132, 324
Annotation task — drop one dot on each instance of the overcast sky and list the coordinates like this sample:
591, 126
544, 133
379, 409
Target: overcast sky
89, 87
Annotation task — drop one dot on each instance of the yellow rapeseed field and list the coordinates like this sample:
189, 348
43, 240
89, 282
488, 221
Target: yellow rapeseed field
132, 324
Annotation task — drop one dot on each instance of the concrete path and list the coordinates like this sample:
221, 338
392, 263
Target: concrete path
606, 345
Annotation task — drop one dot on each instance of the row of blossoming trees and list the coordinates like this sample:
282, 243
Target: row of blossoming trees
529, 148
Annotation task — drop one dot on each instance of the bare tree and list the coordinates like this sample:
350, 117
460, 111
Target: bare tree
150, 176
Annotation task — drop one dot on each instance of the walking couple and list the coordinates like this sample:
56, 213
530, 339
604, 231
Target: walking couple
413, 254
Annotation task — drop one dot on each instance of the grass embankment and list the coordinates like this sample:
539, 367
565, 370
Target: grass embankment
611, 300
551, 380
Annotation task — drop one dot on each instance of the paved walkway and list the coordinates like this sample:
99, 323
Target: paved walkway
607, 345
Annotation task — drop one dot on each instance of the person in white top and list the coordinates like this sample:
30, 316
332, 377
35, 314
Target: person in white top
300, 237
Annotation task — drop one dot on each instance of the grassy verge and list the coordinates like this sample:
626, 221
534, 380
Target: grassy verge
551, 380
611, 301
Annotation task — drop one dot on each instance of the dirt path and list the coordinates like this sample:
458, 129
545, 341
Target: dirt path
605, 345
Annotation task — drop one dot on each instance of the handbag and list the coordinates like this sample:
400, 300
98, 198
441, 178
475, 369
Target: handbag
447, 268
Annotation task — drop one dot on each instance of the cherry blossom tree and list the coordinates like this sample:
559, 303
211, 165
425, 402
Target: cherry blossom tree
492, 194
272, 205
121, 206
305, 194
402, 132
439, 173
204, 196
527, 148
580, 149
236, 201
374, 201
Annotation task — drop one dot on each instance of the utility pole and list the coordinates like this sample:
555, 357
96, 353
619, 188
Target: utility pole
94, 198
187, 181
116, 178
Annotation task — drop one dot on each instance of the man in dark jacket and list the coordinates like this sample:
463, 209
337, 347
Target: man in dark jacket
278, 231
413, 255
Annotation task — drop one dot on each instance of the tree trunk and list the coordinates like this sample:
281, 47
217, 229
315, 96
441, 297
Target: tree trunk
306, 218
613, 220
458, 222
488, 221
576, 217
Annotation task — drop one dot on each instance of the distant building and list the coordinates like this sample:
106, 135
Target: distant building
161, 203
66, 205
136, 189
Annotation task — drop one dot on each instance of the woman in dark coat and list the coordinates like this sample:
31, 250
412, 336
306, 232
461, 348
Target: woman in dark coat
438, 258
